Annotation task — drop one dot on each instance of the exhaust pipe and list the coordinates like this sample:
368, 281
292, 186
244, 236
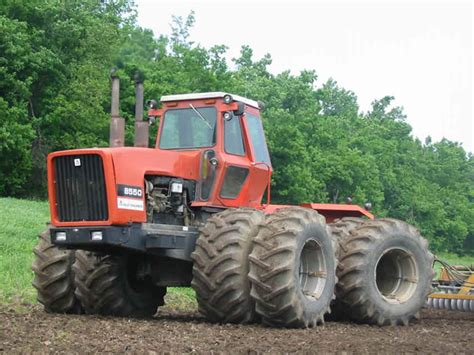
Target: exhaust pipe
117, 123
141, 126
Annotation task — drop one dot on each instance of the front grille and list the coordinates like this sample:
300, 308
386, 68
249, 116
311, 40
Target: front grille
80, 188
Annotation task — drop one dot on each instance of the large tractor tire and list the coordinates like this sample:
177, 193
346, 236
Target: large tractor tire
293, 269
54, 278
108, 285
221, 265
341, 230
385, 273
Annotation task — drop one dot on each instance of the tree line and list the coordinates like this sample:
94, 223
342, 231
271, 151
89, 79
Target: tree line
55, 59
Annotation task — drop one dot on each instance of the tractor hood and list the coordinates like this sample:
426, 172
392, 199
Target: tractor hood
72, 172
134, 163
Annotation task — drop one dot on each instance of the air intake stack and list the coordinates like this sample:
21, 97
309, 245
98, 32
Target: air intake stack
117, 123
141, 126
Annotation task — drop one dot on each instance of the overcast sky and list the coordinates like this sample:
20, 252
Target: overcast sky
421, 52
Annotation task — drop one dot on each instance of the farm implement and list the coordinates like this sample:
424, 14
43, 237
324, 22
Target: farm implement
454, 290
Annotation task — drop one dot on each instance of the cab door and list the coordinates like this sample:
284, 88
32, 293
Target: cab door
246, 165
261, 166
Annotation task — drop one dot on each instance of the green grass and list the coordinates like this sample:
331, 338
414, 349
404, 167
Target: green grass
20, 223
182, 298
454, 259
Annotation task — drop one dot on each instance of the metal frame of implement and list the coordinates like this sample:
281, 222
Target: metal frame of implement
455, 289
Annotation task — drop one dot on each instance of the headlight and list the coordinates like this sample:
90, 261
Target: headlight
96, 235
227, 116
60, 236
228, 99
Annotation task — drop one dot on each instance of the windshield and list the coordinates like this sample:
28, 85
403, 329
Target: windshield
193, 127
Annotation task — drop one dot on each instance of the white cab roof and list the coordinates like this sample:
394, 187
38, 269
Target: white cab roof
208, 95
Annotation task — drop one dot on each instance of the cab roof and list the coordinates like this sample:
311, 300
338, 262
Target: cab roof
209, 95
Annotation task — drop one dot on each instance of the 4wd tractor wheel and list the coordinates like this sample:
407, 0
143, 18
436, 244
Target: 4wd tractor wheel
54, 279
341, 230
293, 269
221, 265
108, 285
385, 273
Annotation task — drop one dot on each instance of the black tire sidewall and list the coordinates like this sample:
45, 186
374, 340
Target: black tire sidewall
53, 295
319, 234
423, 265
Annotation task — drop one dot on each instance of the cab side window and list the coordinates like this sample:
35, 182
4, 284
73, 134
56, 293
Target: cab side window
234, 179
257, 138
233, 142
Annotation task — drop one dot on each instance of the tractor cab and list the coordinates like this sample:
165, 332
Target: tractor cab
223, 135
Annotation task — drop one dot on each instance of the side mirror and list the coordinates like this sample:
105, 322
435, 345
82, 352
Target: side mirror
152, 104
151, 120
240, 109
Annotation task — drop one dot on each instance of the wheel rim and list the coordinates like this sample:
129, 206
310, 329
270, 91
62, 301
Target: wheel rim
396, 275
312, 270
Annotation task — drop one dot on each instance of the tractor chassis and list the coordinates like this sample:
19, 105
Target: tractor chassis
170, 241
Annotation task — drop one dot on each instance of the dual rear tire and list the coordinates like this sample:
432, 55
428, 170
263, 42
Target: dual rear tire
385, 273
278, 268
384, 269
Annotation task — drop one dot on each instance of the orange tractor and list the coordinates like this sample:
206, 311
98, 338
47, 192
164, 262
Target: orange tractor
128, 222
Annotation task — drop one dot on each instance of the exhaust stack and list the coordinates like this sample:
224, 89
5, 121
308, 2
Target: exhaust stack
141, 126
117, 123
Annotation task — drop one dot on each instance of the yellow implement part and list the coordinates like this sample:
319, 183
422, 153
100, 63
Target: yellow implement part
467, 286
452, 296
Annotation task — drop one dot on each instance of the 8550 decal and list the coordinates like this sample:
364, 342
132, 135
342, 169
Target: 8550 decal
129, 191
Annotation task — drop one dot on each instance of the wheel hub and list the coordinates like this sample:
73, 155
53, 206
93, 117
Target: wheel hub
312, 270
396, 275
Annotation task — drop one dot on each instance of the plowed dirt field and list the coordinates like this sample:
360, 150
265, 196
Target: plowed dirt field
179, 331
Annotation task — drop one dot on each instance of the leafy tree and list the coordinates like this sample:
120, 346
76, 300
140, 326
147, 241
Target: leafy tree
54, 57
